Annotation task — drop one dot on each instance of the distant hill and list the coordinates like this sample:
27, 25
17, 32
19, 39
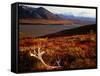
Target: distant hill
79, 19
29, 15
75, 31
36, 13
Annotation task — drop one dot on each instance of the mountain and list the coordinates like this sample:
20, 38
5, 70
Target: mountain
79, 19
46, 14
67, 16
29, 13
36, 13
75, 31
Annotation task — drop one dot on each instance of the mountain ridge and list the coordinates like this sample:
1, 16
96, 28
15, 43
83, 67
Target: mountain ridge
36, 13
75, 31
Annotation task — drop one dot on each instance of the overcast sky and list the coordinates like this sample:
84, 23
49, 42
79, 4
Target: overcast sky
84, 12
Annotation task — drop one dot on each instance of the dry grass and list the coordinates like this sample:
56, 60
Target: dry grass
78, 51
44, 21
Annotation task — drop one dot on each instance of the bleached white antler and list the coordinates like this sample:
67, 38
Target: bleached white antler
38, 53
58, 61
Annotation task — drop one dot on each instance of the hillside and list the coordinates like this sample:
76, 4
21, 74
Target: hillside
44, 22
75, 31
41, 15
36, 13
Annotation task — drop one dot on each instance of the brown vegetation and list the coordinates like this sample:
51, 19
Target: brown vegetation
44, 21
67, 52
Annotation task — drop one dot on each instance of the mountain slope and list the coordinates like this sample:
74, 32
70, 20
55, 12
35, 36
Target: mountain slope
75, 31
46, 14
36, 13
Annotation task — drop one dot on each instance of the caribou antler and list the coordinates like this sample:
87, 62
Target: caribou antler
38, 53
58, 62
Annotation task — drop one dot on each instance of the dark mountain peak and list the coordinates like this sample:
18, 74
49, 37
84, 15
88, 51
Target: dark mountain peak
41, 8
46, 14
43, 11
36, 13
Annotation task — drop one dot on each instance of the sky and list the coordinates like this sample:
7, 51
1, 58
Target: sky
83, 12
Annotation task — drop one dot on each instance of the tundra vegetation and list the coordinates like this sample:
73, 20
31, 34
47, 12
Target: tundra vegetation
58, 53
